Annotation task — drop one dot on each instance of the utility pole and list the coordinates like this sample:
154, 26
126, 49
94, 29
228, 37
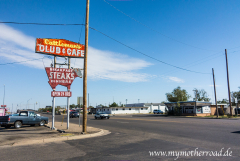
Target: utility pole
229, 96
84, 127
138, 100
215, 92
126, 101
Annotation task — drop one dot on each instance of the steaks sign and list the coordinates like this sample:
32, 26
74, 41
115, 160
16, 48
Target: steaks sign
61, 76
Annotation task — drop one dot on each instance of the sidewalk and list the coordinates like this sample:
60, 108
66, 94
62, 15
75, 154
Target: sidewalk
28, 135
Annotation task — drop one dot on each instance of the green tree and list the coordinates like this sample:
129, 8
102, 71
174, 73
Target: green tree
114, 104
223, 101
72, 106
177, 95
201, 95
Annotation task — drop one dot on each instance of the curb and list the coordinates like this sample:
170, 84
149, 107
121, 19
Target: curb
62, 138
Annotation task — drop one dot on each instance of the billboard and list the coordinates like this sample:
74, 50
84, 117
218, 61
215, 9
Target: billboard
59, 47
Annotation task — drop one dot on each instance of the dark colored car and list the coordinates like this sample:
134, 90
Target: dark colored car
24, 118
74, 114
237, 110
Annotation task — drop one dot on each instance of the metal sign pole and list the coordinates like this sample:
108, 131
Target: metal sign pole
68, 99
53, 113
53, 103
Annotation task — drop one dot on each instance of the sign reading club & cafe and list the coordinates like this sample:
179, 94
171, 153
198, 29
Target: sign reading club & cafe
59, 47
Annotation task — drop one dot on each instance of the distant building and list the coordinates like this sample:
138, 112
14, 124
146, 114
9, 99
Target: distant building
191, 108
132, 108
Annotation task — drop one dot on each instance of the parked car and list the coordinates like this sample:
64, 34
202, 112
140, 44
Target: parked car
157, 112
101, 115
74, 114
24, 118
237, 110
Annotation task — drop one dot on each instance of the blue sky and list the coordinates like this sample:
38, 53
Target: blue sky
188, 34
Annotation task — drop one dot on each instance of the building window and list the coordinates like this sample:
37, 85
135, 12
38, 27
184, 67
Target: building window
141, 108
116, 109
123, 108
104, 110
108, 109
129, 108
113, 109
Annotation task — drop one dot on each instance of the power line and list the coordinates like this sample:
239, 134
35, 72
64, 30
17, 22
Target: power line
22, 23
22, 61
146, 54
154, 29
116, 41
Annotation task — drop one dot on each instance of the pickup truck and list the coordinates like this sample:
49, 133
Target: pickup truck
24, 118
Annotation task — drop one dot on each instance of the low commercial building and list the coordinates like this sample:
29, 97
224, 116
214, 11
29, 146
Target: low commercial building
190, 108
132, 108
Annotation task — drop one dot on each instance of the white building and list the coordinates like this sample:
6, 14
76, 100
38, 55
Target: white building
132, 108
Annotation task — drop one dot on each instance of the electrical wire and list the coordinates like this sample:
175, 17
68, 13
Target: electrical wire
115, 41
22, 23
147, 55
154, 29
22, 61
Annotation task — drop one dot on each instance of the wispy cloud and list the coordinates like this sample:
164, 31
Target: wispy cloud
15, 46
176, 79
173, 79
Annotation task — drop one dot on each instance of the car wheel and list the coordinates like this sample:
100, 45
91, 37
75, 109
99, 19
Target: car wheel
18, 124
101, 117
95, 117
42, 123
107, 117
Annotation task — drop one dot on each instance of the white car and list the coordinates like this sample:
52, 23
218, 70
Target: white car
101, 115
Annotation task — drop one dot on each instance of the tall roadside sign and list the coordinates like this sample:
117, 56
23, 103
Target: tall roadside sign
60, 76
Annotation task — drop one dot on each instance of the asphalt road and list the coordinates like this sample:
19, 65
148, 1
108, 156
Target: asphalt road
135, 137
